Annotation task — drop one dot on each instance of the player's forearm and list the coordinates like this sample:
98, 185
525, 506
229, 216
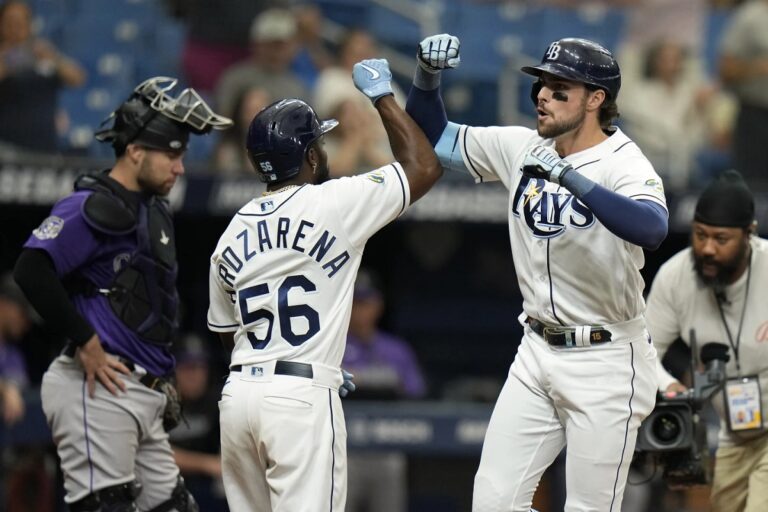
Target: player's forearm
195, 462
35, 274
410, 147
642, 223
426, 107
227, 341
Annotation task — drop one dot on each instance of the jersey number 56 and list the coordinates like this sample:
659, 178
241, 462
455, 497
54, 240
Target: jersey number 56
285, 312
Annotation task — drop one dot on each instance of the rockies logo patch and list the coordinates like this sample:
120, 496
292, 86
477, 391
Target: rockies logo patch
50, 228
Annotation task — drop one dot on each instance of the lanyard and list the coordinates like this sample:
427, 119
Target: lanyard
719, 299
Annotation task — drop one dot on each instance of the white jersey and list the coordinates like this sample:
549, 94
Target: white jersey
679, 302
571, 270
283, 272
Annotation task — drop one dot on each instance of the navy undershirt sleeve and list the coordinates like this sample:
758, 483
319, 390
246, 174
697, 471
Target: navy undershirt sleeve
639, 222
36, 276
428, 110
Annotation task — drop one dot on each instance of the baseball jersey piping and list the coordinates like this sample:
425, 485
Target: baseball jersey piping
551, 288
549, 268
222, 326
649, 197
629, 418
469, 159
402, 187
273, 211
618, 148
333, 446
87, 439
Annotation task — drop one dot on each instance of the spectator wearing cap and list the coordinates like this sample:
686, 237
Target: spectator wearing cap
385, 367
274, 44
196, 441
716, 287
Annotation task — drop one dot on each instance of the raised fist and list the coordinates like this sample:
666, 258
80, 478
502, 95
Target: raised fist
439, 52
373, 78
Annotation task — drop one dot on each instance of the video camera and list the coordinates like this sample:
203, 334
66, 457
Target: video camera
674, 434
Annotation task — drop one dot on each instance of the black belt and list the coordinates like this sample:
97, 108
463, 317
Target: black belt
559, 336
151, 381
291, 368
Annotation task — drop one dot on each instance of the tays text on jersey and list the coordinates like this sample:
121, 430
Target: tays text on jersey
548, 213
297, 235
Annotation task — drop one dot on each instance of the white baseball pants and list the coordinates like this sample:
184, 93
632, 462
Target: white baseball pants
591, 400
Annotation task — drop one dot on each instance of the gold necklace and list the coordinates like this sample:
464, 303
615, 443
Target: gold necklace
272, 192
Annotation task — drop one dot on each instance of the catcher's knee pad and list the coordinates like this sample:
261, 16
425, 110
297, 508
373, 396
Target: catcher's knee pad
117, 498
181, 500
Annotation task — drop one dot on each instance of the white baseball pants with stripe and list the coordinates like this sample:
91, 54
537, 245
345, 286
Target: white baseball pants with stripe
591, 400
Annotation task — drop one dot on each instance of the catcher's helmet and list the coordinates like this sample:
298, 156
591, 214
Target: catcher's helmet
580, 60
154, 118
279, 137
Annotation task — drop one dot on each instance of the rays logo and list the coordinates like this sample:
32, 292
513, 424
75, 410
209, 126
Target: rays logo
547, 214
376, 177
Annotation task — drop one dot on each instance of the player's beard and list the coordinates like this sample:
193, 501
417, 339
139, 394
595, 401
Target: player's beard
146, 182
726, 270
559, 128
322, 173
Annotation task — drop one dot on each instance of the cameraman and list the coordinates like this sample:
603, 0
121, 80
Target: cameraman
717, 288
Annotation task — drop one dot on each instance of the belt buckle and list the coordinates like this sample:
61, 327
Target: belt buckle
566, 332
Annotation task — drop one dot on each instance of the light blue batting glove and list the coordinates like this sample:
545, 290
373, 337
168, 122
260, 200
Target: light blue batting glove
347, 386
544, 162
439, 52
373, 78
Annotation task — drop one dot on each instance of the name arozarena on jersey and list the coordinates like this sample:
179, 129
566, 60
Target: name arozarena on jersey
292, 234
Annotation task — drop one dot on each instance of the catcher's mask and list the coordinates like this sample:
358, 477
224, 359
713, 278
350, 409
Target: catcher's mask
153, 118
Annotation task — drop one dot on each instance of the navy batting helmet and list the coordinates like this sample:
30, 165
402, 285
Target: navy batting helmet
279, 137
580, 60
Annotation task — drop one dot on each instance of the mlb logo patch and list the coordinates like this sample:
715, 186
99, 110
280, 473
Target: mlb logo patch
267, 206
257, 371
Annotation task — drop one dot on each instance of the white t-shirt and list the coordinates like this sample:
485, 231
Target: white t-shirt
679, 302
283, 272
571, 270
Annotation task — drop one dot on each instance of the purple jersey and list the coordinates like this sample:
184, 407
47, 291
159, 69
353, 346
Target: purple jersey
77, 249
384, 362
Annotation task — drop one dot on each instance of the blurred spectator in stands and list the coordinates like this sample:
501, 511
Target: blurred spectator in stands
31, 73
196, 441
230, 156
672, 118
744, 69
648, 21
385, 368
360, 141
313, 56
15, 322
217, 36
274, 44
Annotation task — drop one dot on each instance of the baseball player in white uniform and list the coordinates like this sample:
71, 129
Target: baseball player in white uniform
281, 284
714, 287
583, 204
